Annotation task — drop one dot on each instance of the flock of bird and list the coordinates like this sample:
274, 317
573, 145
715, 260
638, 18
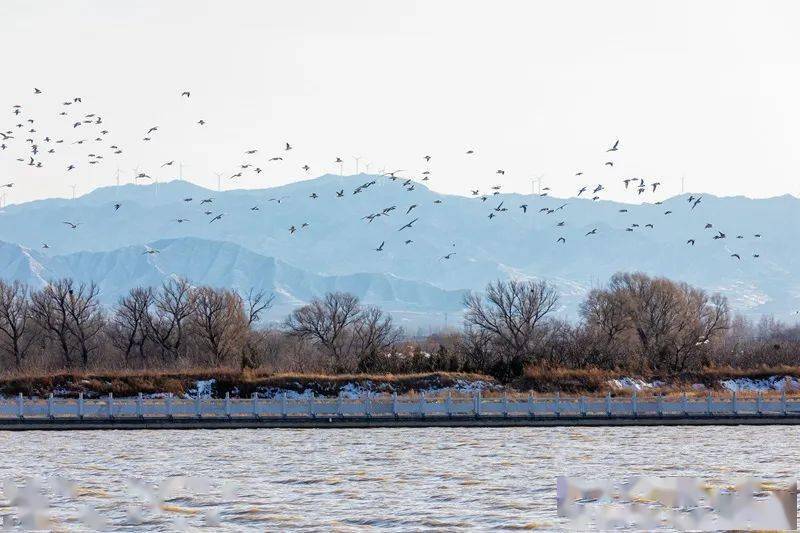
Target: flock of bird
38, 149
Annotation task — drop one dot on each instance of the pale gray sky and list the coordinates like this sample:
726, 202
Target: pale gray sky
706, 89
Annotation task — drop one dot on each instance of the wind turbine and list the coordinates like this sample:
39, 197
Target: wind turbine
180, 170
219, 178
538, 181
358, 158
73, 191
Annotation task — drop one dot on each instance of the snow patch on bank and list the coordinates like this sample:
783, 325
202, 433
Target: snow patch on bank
628, 383
203, 387
772, 383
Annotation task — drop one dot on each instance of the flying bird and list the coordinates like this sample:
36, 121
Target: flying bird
614, 148
380, 248
408, 225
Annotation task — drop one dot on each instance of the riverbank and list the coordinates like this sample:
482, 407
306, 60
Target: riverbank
216, 383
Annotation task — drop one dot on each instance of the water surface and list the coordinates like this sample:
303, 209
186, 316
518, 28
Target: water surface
355, 479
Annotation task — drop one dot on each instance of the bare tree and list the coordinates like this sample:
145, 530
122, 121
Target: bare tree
85, 319
166, 325
130, 321
256, 303
671, 324
15, 315
326, 322
219, 321
372, 332
511, 313
50, 309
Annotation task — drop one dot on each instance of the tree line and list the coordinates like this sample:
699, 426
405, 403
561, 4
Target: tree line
635, 323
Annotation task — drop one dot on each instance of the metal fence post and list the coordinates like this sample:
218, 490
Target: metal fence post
50, 406
227, 404
20, 406
284, 410
110, 405
168, 403
478, 404
684, 407
197, 408
708, 404
394, 404
339, 405
139, 406
254, 404
635, 404
422, 404
608, 404
505, 404
80, 405
660, 405
368, 404
758, 403
733, 402
582, 405
530, 404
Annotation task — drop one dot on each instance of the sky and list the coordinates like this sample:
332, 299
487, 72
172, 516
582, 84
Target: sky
704, 91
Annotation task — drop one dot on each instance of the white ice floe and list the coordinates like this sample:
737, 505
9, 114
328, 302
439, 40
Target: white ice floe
779, 383
628, 383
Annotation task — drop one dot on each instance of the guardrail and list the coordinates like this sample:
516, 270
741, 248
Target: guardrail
371, 405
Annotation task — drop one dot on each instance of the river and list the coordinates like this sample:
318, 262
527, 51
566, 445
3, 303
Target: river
352, 480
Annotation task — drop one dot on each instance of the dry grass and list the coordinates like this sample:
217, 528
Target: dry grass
238, 383
536, 380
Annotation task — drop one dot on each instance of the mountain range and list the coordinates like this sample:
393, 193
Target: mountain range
252, 246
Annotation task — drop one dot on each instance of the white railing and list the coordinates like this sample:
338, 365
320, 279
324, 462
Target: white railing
371, 405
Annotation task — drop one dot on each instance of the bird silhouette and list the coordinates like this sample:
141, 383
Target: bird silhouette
380, 248
614, 148
408, 225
